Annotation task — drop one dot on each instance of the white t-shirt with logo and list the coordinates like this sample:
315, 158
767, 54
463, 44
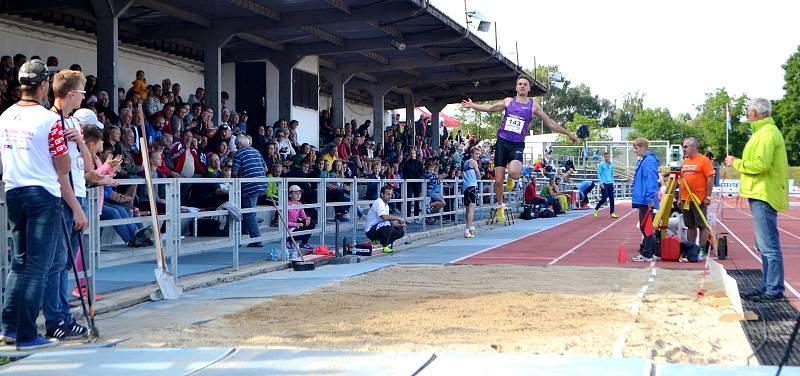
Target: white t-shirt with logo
30, 137
376, 210
78, 179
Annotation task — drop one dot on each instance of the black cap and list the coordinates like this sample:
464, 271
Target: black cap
33, 72
224, 126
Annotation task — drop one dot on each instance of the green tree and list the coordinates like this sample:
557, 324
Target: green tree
786, 111
659, 124
484, 125
596, 132
710, 123
632, 105
565, 103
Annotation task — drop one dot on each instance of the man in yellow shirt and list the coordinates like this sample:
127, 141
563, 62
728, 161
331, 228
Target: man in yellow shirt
330, 156
763, 180
698, 173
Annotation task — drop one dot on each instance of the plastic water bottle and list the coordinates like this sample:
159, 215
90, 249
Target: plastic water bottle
294, 255
286, 255
273, 255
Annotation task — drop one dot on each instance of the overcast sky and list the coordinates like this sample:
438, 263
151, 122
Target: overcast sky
674, 51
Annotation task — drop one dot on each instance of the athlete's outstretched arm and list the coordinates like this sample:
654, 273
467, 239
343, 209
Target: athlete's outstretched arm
497, 106
550, 123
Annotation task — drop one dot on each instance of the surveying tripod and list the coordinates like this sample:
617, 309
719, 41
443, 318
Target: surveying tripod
661, 219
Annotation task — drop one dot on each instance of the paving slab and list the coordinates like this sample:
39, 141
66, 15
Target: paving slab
117, 362
244, 362
457, 363
688, 369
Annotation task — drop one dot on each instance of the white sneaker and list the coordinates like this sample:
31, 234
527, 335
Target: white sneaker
640, 258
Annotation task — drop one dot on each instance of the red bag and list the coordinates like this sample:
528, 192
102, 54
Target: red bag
670, 248
647, 223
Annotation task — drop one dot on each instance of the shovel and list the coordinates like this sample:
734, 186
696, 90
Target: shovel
165, 279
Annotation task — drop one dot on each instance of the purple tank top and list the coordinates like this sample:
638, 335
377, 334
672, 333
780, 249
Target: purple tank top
516, 120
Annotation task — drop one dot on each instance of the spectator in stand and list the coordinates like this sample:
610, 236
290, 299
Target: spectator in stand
378, 226
364, 127
297, 220
260, 140
153, 102
140, 85
549, 192
292, 135
285, 148
197, 97
209, 195
373, 173
223, 153
271, 198
194, 114
179, 118
532, 197
272, 157
103, 107
126, 122
336, 192
176, 95
4, 101
7, 69
185, 157
243, 117
129, 154
155, 129
301, 154
330, 156
325, 127
225, 116
434, 188
249, 164
413, 169
166, 113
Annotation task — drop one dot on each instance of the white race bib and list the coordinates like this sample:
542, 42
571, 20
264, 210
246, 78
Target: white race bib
514, 124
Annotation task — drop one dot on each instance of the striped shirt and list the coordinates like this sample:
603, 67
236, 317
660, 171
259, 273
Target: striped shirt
248, 163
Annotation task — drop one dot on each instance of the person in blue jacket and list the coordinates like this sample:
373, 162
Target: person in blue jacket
645, 195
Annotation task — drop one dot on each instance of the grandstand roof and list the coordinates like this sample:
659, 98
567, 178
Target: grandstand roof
442, 61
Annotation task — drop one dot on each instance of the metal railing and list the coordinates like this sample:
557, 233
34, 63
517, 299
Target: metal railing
180, 237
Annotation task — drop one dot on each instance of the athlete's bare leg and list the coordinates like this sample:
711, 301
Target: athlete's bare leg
499, 178
514, 169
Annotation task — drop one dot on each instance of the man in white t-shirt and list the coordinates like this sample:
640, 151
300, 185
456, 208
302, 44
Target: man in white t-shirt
379, 224
34, 154
68, 89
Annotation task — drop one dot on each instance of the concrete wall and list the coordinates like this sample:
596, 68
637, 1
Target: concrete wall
229, 83
308, 131
71, 47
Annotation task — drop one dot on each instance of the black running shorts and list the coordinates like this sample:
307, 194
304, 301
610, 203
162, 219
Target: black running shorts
471, 195
507, 151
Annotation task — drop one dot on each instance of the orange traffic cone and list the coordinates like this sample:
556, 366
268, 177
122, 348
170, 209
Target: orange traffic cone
621, 254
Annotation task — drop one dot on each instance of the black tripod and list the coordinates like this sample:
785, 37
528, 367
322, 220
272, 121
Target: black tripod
88, 314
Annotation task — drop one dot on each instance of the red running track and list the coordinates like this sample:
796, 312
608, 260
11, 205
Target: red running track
590, 241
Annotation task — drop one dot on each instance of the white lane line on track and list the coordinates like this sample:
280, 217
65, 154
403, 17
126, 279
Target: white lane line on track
785, 283
521, 237
567, 253
779, 228
616, 352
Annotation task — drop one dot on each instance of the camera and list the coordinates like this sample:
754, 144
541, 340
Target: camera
675, 158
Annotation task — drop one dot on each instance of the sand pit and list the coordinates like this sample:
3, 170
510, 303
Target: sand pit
496, 308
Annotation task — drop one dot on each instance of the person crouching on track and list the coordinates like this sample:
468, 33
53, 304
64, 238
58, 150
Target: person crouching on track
470, 171
645, 195
584, 188
379, 226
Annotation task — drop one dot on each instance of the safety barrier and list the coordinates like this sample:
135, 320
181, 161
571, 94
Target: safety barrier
180, 223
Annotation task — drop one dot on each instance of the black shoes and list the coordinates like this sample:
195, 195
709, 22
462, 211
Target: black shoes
749, 294
64, 332
766, 298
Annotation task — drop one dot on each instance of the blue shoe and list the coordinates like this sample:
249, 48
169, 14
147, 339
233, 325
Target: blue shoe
38, 343
8, 337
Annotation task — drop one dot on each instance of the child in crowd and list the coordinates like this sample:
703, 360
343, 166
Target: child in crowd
297, 220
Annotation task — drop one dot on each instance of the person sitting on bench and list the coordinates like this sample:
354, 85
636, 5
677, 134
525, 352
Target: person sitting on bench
379, 225
533, 198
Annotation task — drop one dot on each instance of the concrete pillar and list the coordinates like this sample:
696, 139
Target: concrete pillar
378, 111
285, 64
107, 22
212, 76
337, 81
435, 110
408, 100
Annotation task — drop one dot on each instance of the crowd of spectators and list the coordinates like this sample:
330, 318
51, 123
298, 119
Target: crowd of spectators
184, 141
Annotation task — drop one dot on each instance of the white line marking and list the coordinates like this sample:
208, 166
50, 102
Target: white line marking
785, 283
635, 308
779, 228
567, 253
521, 237
617, 352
